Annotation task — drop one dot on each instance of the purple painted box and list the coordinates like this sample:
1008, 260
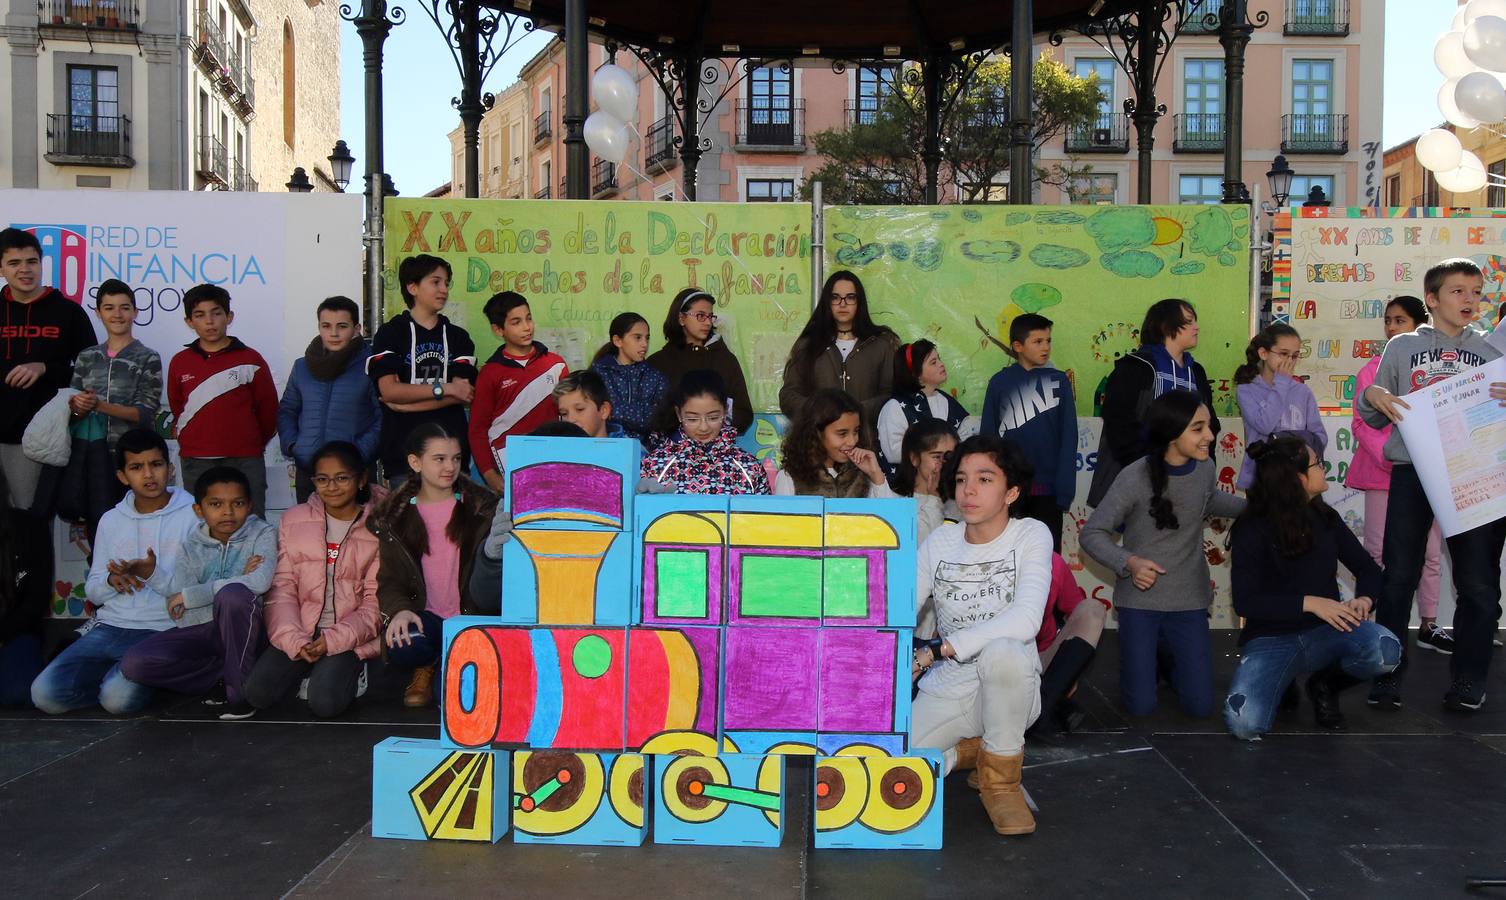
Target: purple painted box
572, 484
770, 679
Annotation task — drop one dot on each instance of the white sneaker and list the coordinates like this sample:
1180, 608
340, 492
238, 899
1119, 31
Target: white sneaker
303, 689
361, 682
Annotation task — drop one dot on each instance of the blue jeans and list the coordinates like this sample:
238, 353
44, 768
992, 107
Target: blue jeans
1185, 634
1268, 664
88, 672
424, 649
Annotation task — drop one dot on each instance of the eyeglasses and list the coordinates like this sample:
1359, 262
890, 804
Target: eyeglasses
1315, 464
1285, 354
701, 317
344, 479
713, 420
844, 299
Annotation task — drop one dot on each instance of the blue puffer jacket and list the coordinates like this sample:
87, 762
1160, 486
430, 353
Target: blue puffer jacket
636, 391
341, 406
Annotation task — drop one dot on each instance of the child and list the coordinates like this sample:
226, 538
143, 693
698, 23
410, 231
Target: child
25, 598
424, 366
919, 374
691, 343
329, 397
1432, 353
702, 456
824, 452
515, 392
581, 398
214, 597
145, 531
1370, 472
988, 577
927, 446
635, 388
428, 531
1162, 592
323, 622
1032, 404
120, 388
55, 330
841, 348
1163, 363
1286, 549
1270, 399
222, 396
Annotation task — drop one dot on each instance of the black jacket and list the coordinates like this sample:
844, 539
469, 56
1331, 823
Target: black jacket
51, 330
24, 608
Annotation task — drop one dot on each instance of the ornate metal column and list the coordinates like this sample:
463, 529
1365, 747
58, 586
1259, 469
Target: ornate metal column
577, 87
373, 22
1234, 30
930, 152
1021, 101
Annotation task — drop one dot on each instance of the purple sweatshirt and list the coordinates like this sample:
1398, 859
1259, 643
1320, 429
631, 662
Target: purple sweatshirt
1284, 405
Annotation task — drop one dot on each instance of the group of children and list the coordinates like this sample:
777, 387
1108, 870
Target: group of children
187, 593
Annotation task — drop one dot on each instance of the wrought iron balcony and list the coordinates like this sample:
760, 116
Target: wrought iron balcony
210, 48
865, 111
1108, 133
89, 140
541, 127
542, 193
1198, 133
771, 123
111, 15
211, 161
659, 145
1318, 17
1315, 133
241, 180
603, 177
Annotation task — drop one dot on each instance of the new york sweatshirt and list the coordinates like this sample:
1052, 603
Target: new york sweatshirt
1414, 361
127, 534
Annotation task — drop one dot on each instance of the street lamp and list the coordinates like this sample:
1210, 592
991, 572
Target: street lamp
1316, 198
1280, 180
340, 164
299, 183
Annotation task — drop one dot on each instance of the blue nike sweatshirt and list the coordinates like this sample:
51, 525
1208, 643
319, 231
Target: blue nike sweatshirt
1036, 410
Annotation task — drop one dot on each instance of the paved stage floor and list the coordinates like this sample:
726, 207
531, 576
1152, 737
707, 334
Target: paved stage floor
173, 804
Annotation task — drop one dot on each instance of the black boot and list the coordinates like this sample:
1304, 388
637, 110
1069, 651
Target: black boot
1067, 666
1323, 688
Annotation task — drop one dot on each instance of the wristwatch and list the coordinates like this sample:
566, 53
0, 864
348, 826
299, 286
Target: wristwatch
438, 391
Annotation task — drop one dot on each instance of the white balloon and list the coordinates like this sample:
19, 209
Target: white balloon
615, 92
1438, 150
607, 136
1450, 109
1485, 43
1458, 22
1449, 56
1477, 8
1468, 177
1480, 96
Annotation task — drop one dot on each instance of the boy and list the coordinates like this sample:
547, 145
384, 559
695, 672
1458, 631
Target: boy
1439, 350
988, 577
222, 396
120, 388
329, 397
1162, 363
514, 394
147, 528
583, 400
44, 332
424, 367
213, 597
1031, 403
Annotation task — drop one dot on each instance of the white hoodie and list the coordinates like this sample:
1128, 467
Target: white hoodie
126, 534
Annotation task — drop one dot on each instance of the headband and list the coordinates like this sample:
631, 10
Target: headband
908, 363
694, 296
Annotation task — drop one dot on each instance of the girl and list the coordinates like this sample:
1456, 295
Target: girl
928, 444
322, 618
635, 387
691, 343
842, 348
428, 532
25, 594
1370, 472
825, 452
1286, 549
1162, 593
1270, 399
702, 456
919, 374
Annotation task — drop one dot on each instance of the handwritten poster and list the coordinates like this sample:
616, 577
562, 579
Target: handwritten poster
1456, 436
1336, 269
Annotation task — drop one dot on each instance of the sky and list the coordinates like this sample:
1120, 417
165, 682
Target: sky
420, 78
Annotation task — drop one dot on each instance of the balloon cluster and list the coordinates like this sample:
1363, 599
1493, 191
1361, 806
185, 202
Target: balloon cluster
616, 96
1472, 57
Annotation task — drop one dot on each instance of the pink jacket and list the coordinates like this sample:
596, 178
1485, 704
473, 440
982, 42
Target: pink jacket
1370, 471
1063, 597
297, 595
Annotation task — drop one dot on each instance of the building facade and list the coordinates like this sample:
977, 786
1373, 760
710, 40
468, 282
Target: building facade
1407, 183
1325, 117
167, 94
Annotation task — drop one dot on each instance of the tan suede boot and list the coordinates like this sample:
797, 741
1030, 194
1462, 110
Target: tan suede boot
999, 779
420, 692
967, 758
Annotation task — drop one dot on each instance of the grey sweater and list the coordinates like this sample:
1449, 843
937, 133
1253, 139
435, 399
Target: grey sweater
1194, 497
1414, 361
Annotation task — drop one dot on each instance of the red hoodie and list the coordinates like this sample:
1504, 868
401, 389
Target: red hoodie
513, 396
224, 403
